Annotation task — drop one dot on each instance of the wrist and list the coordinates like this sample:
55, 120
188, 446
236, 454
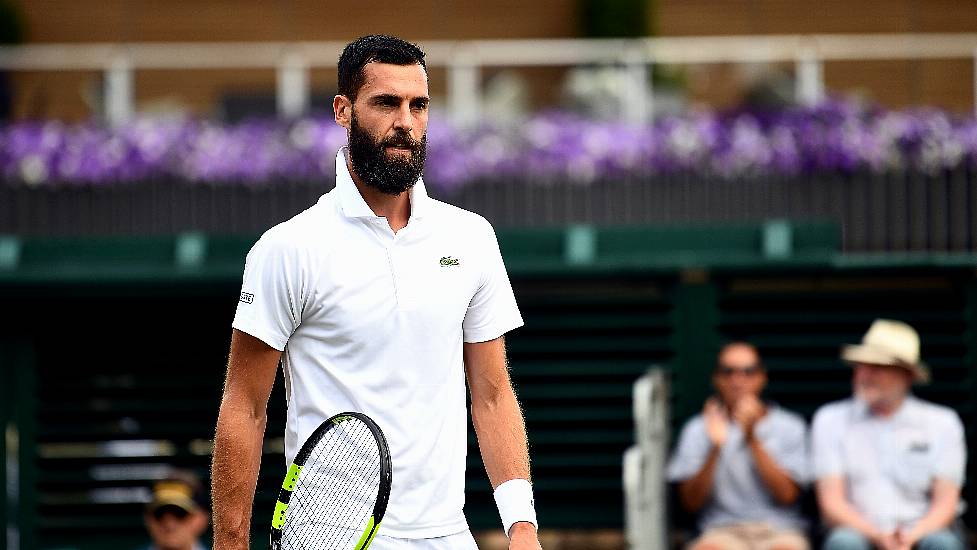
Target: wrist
911, 536
516, 505
520, 528
874, 535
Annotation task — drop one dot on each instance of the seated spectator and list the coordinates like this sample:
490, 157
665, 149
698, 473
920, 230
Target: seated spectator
741, 464
177, 516
889, 466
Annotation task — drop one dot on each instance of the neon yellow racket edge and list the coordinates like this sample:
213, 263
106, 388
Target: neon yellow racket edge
336, 490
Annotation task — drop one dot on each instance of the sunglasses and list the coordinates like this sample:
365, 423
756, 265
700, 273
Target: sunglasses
175, 511
728, 372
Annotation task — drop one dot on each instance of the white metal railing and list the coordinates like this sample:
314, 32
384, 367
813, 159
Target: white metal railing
464, 59
644, 464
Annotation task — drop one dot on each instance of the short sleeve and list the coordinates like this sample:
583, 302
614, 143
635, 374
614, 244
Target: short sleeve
826, 448
492, 311
690, 452
951, 452
790, 450
270, 305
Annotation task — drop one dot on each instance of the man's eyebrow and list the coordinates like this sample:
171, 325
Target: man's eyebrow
382, 98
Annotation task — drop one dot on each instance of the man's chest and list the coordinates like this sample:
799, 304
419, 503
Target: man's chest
900, 454
372, 282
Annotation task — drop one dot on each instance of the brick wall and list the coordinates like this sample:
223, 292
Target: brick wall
75, 95
944, 83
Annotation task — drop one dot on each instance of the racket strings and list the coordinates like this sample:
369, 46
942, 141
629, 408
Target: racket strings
356, 502
338, 508
322, 507
336, 490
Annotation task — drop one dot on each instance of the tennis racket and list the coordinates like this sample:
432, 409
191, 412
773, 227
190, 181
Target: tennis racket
336, 490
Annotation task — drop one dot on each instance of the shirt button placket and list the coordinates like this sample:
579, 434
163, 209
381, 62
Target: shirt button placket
386, 236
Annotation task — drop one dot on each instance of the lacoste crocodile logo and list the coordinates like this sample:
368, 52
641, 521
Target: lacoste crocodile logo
448, 260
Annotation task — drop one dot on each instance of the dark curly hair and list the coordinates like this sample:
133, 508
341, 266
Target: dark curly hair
375, 47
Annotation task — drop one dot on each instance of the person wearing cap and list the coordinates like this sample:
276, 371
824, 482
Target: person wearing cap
741, 464
889, 466
177, 515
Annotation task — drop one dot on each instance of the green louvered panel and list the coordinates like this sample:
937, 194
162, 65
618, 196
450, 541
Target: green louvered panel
132, 347
133, 386
585, 341
800, 323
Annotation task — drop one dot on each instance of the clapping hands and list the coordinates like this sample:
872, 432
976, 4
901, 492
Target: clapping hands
746, 412
717, 421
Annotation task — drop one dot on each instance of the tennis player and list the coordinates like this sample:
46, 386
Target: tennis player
382, 300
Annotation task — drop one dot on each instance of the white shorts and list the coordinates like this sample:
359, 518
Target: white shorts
458, 541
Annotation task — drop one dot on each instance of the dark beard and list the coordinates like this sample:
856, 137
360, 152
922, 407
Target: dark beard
371, 164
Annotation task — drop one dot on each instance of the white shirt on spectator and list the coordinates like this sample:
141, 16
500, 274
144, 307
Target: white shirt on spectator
373, 321
889, 463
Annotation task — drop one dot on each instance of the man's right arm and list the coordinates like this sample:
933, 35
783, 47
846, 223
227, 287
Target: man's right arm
251, 369
838, 512
695, 491
829, 462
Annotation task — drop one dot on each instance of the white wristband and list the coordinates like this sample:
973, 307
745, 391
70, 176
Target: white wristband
514, 498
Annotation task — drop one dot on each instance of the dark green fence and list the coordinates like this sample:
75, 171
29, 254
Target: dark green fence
113, 351
898, 211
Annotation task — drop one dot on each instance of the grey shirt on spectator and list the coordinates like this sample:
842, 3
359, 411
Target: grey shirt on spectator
739, 494
889, 463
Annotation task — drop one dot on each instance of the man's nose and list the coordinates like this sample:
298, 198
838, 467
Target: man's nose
405, 119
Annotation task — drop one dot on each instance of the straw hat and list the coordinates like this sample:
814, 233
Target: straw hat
892, 343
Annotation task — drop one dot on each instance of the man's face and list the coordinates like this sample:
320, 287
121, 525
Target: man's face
880, 385
172, 528
738, 374
388, 126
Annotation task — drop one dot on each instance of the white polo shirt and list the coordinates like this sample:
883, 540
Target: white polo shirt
373, 321
889, 463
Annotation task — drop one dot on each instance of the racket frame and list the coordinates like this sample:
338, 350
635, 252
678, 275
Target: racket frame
295, 469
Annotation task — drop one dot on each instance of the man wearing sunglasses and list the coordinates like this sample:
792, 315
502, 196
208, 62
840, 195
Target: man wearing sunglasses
177, 515
741, 464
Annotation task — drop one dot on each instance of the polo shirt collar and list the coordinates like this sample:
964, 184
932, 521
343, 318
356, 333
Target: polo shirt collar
861, 411
907, 409
352, 202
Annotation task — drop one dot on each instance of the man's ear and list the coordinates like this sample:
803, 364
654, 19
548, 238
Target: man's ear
342, 109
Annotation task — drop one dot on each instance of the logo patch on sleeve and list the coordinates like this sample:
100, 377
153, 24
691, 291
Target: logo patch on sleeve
246, 297
448, 261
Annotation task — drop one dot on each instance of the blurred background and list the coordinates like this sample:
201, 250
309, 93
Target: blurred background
664, 175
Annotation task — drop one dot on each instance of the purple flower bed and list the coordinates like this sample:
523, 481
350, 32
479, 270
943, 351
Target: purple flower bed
834, 137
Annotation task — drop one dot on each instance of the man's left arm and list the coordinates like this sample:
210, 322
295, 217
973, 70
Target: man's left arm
944, 501
784, 489
949, 464
778, 482
499, 426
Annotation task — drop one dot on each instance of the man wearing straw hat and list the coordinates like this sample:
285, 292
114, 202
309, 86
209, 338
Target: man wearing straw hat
889, 466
